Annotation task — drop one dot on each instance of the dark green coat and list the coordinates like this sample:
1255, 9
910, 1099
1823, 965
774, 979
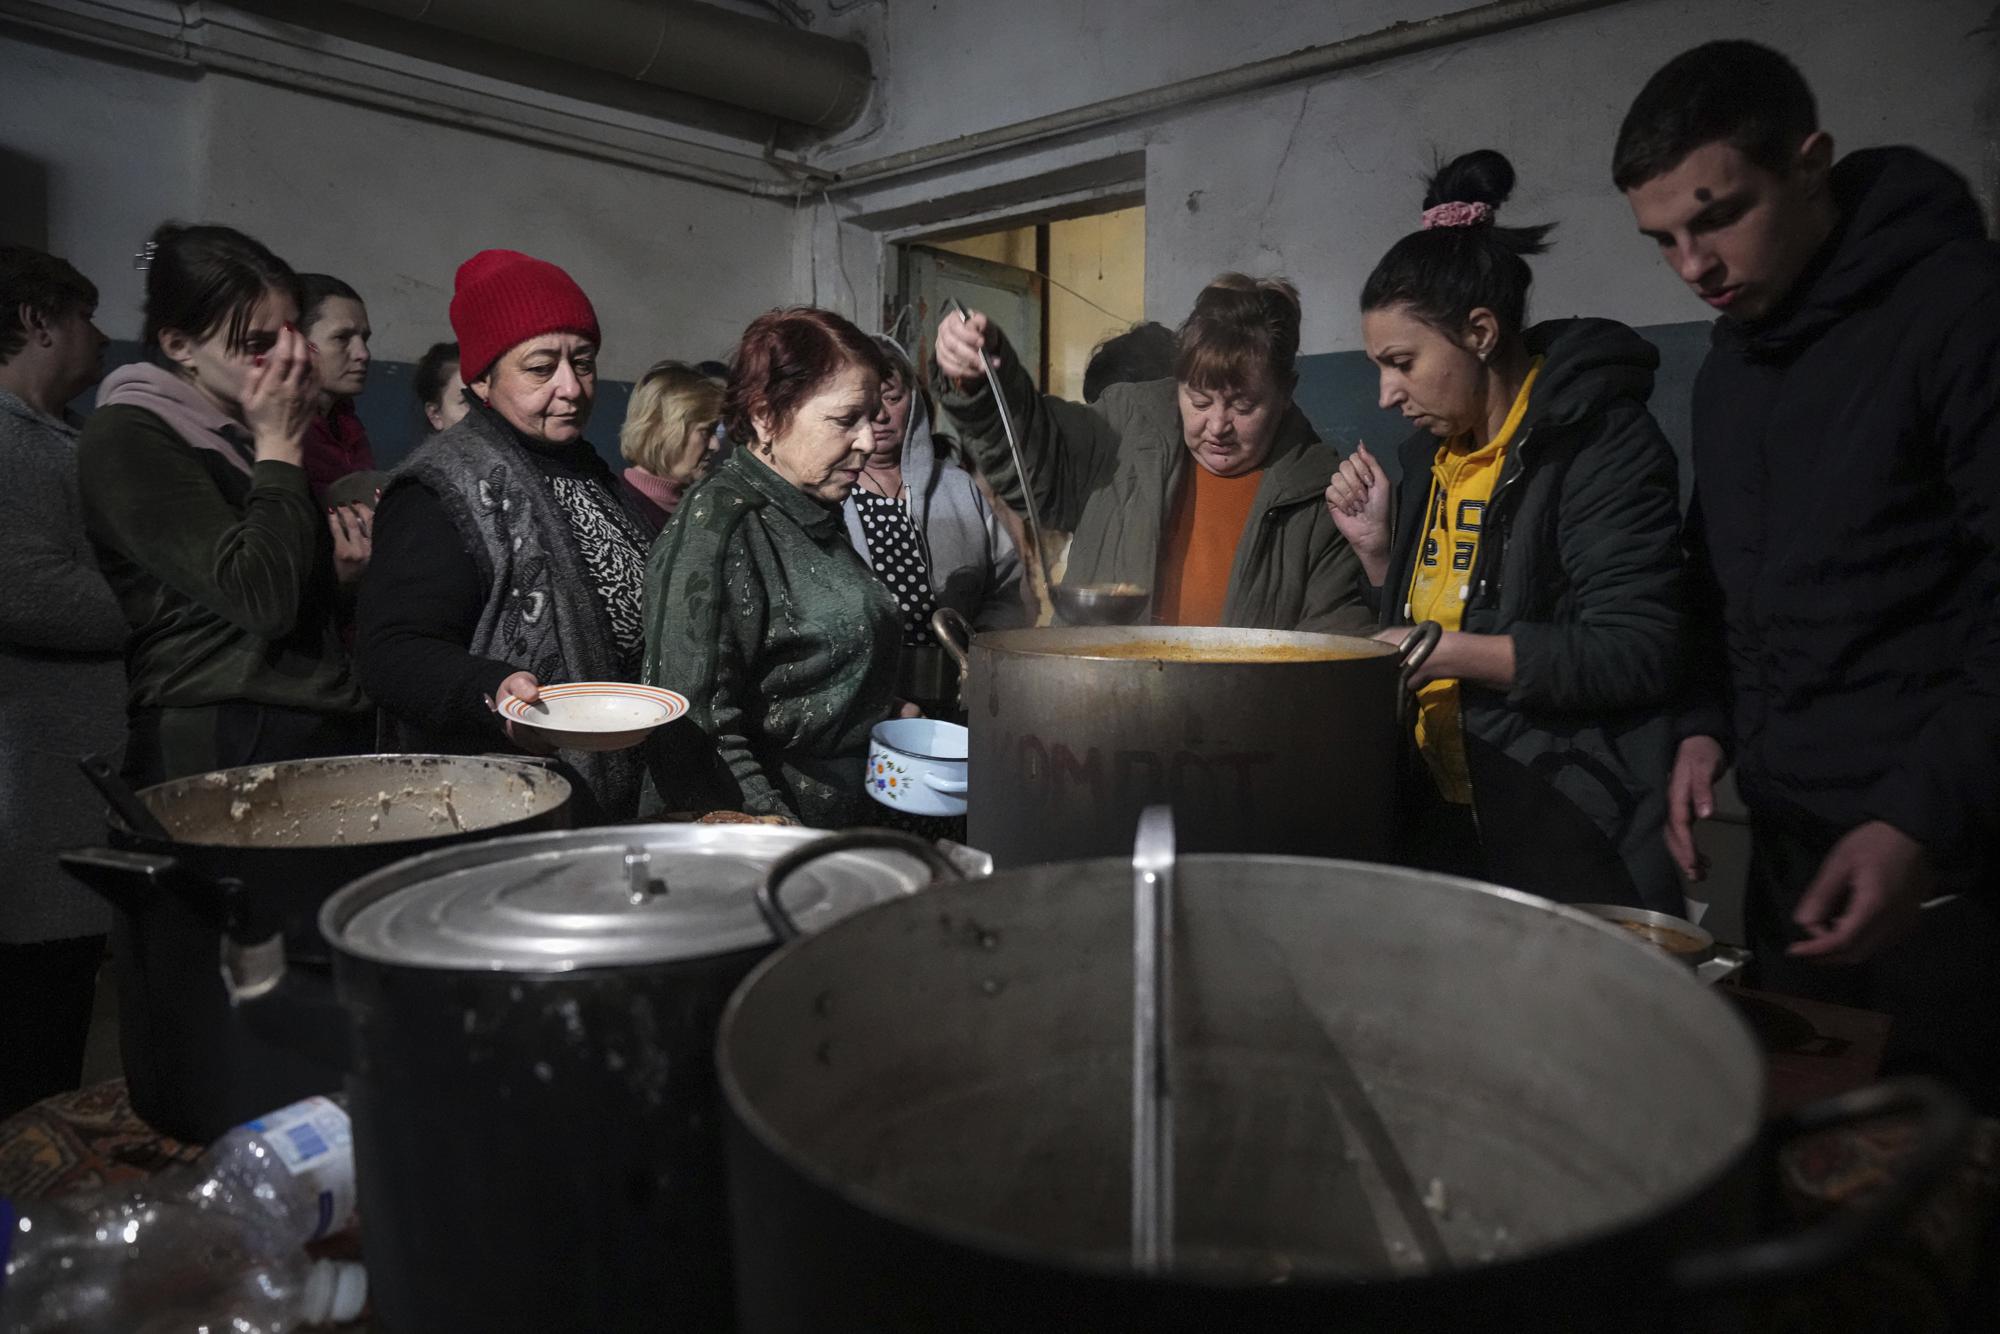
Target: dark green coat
1111, 472
782, 639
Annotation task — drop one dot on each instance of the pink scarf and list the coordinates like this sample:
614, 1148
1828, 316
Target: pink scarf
659, 490
198, 422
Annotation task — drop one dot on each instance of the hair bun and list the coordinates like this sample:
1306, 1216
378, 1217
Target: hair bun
1482, 176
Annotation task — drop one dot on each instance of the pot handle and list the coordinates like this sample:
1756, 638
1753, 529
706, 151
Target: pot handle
1416, 649
1945, 1124
945, 785
131, 882
282, 1007
782, 926
1412, 653
138, 817
954, 633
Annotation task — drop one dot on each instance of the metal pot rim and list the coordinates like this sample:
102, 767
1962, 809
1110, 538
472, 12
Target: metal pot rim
539, 772
1057, 641
1010, 1248
1613, 913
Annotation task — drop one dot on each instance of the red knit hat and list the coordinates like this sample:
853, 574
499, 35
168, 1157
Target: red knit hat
503, 298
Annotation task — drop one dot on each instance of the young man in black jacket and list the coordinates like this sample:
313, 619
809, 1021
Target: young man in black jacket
1845, 538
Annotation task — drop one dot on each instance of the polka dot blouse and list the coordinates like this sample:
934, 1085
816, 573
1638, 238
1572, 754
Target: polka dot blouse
896, 554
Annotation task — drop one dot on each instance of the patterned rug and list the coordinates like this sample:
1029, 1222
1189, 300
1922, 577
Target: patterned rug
75, 1141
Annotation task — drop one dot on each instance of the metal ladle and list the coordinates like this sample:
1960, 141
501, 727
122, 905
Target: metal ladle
1032, 514
1099, 604
1152, 1029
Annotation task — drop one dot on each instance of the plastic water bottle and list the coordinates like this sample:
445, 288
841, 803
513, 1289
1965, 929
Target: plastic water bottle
220, 1237
291, 1172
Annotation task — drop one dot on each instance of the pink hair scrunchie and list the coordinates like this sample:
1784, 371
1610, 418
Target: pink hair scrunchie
1457, 214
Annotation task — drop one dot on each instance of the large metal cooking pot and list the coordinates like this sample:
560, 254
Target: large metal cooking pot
1261, 740
256, 850
1401, 1102
536, 1127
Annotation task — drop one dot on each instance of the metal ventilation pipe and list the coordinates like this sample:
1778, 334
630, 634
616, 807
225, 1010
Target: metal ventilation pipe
697, 49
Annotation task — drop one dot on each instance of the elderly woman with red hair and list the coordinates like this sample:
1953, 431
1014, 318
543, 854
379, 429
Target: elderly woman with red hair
757, 607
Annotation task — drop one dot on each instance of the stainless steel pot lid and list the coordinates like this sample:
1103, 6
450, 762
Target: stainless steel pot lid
600, 897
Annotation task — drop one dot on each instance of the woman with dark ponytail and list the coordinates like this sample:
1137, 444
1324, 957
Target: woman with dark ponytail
195, 497
1537, 519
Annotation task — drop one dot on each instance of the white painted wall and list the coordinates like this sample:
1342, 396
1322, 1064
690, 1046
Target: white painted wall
1311, 181
116, 145
1317, 181
394, 205
391, 203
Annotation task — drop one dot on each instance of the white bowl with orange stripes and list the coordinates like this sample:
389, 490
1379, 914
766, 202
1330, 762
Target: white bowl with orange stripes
595, 715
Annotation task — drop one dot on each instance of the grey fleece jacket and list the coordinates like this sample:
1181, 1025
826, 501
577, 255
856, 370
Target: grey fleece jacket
62, 681
1111, 473
974, 568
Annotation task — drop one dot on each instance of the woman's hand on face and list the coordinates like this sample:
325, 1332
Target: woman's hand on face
280, 395
965, 345
524, 687
353, 528
1358, 500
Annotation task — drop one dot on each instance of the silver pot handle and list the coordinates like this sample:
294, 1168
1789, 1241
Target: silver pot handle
972, 864
954, 632
1412, 653
780, 921
1945, 1126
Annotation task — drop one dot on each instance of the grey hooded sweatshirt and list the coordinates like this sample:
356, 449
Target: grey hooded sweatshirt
974, 568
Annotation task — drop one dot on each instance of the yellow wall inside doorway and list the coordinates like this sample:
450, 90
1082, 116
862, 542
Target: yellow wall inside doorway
1102, 257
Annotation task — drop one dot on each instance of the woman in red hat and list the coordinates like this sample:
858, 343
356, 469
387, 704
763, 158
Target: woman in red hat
503, 556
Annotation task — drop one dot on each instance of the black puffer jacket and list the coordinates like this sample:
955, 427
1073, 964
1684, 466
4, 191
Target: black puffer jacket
1580, 564
1846, 534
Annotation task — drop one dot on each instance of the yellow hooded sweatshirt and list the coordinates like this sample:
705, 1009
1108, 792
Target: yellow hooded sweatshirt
1462, 481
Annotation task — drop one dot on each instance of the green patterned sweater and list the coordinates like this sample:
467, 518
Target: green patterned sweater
784, 642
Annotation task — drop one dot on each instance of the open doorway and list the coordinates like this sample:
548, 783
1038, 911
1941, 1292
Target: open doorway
1057, 287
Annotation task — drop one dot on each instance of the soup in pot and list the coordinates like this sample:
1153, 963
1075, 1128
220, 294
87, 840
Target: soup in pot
1166, 650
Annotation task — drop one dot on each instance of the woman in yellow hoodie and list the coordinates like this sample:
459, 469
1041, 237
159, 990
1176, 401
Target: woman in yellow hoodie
1537, 520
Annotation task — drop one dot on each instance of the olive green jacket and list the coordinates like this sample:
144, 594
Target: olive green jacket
226, 579
782, 639
1112, 471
